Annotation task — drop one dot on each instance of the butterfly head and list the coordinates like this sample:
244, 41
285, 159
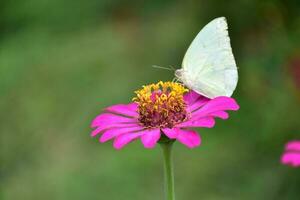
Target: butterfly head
181, 75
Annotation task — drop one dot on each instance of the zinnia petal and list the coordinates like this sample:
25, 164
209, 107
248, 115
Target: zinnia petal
150, 137
109, 126
124, 139
198, 104
190, 138
110, 118
96, 131
170, 132
220, 114
293, 146
124, 109
215, 105
207, 122
291, 158
191, 97
111, 133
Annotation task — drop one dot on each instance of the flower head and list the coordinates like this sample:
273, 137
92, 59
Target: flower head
165, 109
291, 156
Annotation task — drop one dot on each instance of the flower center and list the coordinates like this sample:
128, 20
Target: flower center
161, 105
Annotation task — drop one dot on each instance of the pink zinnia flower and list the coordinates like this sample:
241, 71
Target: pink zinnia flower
291, 156
162, 111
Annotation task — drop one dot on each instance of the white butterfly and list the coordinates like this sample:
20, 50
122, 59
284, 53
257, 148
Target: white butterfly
208, 66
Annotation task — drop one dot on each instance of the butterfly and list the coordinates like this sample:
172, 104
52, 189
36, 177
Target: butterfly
208, 66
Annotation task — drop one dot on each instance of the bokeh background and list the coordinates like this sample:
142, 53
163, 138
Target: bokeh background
63, 61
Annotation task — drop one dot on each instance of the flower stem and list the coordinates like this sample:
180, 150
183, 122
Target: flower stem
168, 169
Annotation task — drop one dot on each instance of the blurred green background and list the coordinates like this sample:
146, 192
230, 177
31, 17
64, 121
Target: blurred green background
63, 61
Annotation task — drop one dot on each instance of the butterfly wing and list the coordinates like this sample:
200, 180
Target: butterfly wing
208, 66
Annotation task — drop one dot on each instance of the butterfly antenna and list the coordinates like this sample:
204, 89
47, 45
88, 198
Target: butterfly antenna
173, 68
160, 67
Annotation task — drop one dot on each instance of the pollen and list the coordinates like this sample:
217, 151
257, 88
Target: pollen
161, 105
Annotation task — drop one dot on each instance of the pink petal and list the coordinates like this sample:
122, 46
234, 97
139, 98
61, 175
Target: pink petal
191, 97
96, 131
291, 158
215, 105
110, 118
108, 126
220, 114
293, 145
111, 133
207, 122
170, 132
124, 109
150, 137
124, 139
189, 138
198, 104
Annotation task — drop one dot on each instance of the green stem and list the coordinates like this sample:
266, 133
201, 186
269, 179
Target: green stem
168, 170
